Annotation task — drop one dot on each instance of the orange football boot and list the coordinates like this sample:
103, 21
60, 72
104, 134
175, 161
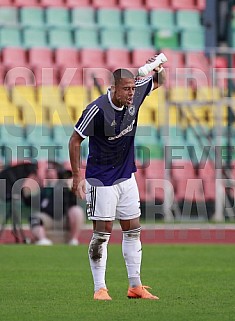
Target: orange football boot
102, 294
140, 292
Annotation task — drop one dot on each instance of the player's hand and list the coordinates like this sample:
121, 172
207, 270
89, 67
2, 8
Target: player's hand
79, 186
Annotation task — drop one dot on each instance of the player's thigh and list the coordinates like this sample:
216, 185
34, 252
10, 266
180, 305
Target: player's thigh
128, 207
101, 202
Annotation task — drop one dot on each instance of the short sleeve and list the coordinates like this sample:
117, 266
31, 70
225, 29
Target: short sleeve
85, 125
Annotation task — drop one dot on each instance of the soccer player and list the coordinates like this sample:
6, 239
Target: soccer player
110, 187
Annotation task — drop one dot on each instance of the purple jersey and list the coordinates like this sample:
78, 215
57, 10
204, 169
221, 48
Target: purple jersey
111, 132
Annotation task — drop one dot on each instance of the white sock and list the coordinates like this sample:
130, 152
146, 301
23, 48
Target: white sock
98, 256
132, 253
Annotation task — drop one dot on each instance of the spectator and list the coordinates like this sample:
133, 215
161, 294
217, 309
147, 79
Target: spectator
53, 206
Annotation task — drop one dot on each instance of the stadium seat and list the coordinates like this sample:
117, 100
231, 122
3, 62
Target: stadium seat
192, 40
112, 38
70, 77
26, 3
67, 57
144, 37
139, 56
83, 17
188, 19
153, 4
57, 17
50, 99
10, 37
40, 57
162, 19
19, 76
103, 3
43, 66
9, 113
75, 97
60, 38
135, 18
77, 3
117, 57
2, 74
201, 4
208, 93
154, 176
23, 94
34, 37
183, 4
51, 3
109, 17
7, 3
14, 57
32, 17
166, 38
181, 94
176, 59
92, 58
124, 4
196, 60
81, 36
8, 16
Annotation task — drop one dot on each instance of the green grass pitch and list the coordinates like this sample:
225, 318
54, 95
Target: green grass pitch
194, 283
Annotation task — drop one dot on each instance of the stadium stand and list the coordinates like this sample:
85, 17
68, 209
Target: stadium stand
59, 43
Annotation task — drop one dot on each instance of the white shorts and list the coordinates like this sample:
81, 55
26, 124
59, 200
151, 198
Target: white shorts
107, 203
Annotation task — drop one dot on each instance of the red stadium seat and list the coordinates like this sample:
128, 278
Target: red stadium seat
72, 77
153, 4
7, 3
67, 57
26, 3
196, 60
46, 76
139, 56
77, 3
183, 4
181, 171
124, 4
42, 62
154, 175
175, 58
103, 3
201, 4
19, 76
116, 58
52, 3
2, 74
42, 57
92, 58
14, 57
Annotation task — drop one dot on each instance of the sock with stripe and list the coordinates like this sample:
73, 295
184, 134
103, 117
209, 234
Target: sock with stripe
98, 257
132, 253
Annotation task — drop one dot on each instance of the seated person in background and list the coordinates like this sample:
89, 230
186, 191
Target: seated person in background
54, 206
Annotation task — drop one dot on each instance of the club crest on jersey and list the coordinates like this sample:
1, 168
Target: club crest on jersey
113, 123
131, 110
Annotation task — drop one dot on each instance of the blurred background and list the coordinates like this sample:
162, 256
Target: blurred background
54, 58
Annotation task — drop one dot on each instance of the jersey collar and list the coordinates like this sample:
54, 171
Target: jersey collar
111, 103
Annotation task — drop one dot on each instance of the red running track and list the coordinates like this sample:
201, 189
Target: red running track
162, 235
